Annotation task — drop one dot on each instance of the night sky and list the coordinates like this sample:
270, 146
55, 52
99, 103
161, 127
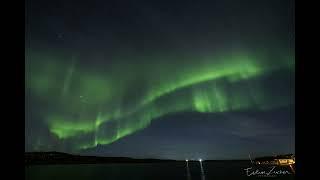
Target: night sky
160, 79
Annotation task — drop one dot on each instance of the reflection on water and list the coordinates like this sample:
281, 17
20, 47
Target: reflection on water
202, 171
202, 175
188, 171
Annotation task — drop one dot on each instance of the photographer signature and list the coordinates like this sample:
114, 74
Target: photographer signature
272, 172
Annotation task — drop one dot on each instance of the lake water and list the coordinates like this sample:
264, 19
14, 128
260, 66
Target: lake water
148, 171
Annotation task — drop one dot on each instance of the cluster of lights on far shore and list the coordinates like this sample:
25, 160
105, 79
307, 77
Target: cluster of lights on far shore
199, 160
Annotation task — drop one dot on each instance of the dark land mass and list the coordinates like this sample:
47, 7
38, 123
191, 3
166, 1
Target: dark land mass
38, 158
42, 158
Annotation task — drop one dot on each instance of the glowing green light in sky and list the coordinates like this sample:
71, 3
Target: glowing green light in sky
106, 105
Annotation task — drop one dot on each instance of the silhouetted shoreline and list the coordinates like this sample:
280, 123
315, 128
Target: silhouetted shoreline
39, 158
43, 158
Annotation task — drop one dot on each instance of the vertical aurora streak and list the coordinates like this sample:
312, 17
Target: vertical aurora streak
67, 80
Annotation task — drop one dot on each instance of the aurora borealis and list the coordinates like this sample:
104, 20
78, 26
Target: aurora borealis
96, 86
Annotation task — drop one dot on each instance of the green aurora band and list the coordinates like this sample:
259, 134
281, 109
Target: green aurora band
102, 104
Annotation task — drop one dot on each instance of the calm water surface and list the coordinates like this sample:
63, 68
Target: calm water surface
149, 171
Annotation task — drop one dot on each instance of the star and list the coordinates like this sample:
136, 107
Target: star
60, 35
